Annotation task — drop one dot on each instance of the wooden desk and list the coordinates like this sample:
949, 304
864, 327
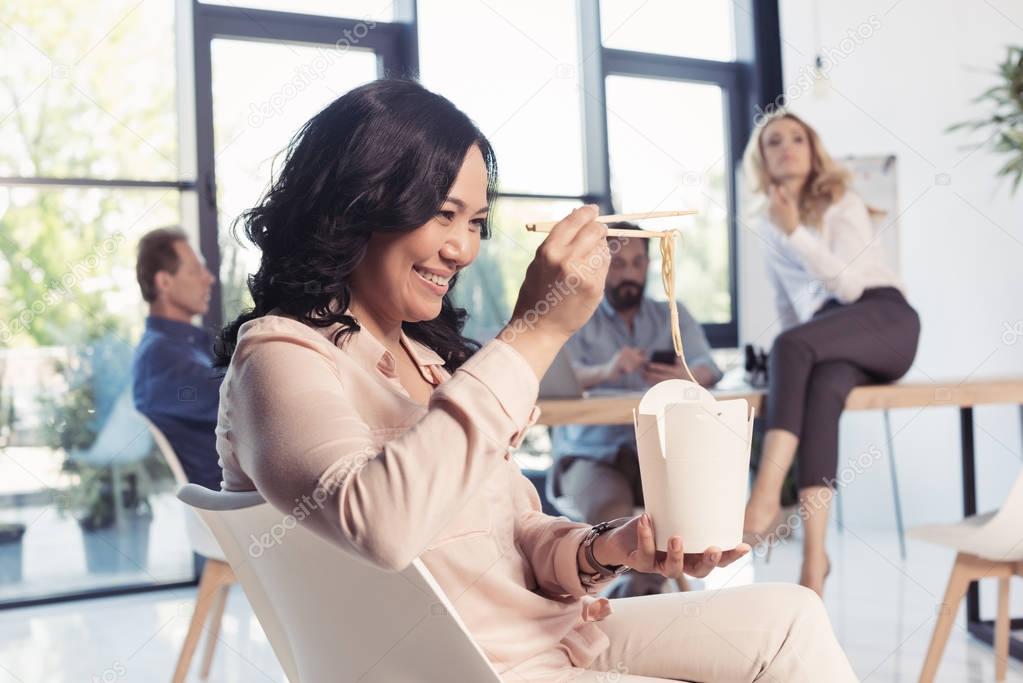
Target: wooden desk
617, 408
964, 395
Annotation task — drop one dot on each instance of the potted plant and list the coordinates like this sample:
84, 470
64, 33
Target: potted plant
72, 428
1004, 122
91, 499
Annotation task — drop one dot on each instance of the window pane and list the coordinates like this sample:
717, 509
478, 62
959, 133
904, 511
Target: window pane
92, 94
674, 156
487, 289
377, 10
513, 68
254, 118
68, 325
684, 28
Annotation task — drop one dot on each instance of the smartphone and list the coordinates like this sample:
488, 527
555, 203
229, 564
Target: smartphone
666, 357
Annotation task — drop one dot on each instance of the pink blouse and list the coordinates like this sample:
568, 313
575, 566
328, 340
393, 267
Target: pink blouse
306, 421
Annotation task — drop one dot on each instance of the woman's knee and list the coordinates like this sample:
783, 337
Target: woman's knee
794, 605
788, 345
830, 384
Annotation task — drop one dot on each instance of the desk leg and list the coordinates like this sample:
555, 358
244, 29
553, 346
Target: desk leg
982, 629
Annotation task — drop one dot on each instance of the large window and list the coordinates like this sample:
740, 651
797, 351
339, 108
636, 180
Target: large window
260, 73
123, 116
633, 106
683, 28
253, 120
89, 162
675, 154
516, 75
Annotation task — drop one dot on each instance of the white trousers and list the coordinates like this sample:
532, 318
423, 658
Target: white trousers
775, 632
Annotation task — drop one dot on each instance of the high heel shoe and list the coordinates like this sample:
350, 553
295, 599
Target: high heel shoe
778, 530
827, 572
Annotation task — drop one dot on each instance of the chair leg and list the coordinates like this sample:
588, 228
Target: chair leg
954, 592
213, 578
213, 631
1002, 630
839, 516
895, 484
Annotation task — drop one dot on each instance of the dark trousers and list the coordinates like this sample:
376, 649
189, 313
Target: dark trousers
814, 366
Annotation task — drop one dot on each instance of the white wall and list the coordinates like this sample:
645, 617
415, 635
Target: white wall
894, 90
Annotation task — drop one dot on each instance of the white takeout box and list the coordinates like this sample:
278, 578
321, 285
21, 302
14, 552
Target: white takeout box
694, 461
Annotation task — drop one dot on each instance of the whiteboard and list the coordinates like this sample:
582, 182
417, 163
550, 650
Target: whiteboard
874, 180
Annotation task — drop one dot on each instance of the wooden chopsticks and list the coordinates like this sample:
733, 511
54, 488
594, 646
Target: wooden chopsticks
547, 226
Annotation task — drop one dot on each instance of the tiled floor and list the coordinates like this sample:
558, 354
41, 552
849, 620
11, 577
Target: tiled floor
882, 609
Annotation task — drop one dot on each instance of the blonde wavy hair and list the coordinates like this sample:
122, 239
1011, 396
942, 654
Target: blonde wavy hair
825, 185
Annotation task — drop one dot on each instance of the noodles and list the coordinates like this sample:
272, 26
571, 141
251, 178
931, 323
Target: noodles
668, 279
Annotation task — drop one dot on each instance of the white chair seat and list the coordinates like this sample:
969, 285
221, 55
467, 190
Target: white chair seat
957, 535
992, 535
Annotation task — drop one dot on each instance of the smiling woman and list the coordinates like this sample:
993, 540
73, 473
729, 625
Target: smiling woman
348, 189
427, 259
350, 384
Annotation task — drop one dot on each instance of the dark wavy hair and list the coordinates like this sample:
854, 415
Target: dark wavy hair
380, 158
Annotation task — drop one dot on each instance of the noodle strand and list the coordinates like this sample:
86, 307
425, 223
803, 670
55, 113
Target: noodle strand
668, 279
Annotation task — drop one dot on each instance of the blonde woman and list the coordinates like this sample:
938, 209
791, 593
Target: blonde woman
844, 316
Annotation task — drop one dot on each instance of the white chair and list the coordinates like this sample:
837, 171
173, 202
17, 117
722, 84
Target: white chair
330, 615
215, 582
121, 444
988, 546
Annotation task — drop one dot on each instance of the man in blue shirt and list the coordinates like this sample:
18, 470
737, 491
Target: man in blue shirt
172, 369
596, 467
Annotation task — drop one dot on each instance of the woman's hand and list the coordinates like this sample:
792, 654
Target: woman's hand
571, 264
633, 544
783, 210
561, 290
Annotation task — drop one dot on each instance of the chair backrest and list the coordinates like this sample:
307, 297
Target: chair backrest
122, 439
329, 614
999, 538
199, 535
167, 451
